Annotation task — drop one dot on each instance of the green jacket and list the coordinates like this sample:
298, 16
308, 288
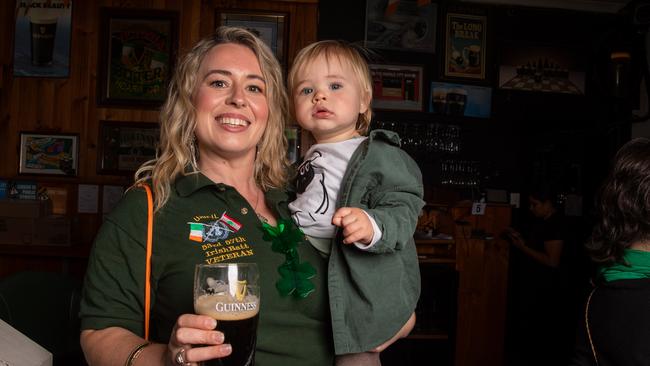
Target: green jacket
373, 293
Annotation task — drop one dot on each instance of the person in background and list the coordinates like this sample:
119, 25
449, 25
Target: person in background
358, 200
220, 171
616, 323
538, 312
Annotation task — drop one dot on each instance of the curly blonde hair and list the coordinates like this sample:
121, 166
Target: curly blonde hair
177, 152
346, 54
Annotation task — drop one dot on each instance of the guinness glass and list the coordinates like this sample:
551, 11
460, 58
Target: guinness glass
228, 292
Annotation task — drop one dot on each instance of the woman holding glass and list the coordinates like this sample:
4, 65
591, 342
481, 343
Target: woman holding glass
218, 176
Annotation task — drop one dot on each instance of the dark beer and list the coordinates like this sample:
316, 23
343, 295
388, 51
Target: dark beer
238, 322
43, 32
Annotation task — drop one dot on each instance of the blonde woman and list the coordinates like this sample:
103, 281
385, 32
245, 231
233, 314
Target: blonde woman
221, 165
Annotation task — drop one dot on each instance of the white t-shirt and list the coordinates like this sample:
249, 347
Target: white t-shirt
318, 185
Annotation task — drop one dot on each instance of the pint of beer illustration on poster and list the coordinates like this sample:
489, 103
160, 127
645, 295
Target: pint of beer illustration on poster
42, 38
465, 46
459, 100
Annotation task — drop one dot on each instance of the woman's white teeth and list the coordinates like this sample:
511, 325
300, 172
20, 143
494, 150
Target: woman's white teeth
232, 121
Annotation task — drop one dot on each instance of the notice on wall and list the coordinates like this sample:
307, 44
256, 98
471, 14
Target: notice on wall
88, 198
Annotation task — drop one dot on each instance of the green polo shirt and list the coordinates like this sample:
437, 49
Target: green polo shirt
203, 222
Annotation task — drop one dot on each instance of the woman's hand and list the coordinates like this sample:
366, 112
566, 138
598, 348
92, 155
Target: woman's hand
195, 330
406, 329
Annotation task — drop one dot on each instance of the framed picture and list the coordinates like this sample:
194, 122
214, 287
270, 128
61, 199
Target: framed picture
49, 154
292, 133
125, 146
137, 52
465, 46
42, 38
397, 87
271, 27
541, 68
406, 25
460, 100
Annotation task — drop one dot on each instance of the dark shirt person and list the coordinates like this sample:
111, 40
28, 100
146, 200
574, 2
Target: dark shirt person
615, 328
536, 308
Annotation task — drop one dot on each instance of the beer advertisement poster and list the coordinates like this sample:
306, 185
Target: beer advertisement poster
465, 46
460, 100
137, 52
397, 87
42, 38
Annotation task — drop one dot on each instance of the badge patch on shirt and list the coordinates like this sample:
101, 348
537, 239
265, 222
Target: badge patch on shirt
213, 231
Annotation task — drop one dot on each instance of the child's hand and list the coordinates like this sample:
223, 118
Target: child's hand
356, 225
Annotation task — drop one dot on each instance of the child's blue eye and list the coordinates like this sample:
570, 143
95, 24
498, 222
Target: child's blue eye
336, 86
306, 91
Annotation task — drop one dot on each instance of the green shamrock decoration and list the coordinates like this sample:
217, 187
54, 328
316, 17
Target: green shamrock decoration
295, 277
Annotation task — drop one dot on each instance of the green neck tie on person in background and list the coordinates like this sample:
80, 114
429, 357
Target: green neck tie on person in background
636, 266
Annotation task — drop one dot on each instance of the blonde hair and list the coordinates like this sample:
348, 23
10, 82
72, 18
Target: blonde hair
177, 153
346, 54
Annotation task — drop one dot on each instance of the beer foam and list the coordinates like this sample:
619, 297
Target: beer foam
225, 307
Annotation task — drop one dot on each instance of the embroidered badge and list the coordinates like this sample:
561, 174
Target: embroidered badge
213, 231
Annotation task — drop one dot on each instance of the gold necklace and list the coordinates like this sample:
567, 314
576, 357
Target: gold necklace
257, 202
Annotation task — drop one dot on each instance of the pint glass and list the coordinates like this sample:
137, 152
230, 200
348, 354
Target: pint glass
228, 292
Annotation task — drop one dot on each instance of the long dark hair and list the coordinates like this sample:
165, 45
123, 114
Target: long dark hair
623, 204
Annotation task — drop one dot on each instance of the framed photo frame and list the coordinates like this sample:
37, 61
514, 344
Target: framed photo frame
397, 87
125, 146
53, 154
42, 38
401, 25
465, 46
272, 27
137, 51
542, 68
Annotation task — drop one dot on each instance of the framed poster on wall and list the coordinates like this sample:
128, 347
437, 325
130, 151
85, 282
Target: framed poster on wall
137, 51
125, 146
397, 87
56, 154
269, 26
465, 46
42, 38
405, 25
541, 68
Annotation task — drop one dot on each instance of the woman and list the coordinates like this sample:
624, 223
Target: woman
616, 324
221, 166
538, 314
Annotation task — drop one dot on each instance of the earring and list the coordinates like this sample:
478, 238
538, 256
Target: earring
194, 151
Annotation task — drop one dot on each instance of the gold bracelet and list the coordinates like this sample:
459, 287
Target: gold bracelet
135, 353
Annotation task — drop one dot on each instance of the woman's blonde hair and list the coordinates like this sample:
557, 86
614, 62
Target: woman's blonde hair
346, 54
177, 152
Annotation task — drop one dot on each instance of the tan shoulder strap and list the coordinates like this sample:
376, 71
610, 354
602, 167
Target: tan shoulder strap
591, 342
147, 275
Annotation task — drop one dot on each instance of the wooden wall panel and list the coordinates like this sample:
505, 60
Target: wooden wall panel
68, 105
